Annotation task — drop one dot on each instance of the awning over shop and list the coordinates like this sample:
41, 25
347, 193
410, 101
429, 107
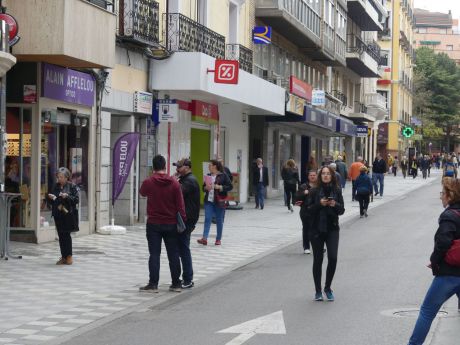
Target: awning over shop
345, 127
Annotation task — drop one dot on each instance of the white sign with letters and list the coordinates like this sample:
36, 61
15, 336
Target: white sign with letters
168, 112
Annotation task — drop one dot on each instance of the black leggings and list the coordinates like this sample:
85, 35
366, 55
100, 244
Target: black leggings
305, 235
65, 243
290, 190
332, 244
363, 203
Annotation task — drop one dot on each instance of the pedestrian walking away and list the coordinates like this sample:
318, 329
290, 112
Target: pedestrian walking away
302, 201
363, 191
379, 168
342, 170
353, 174
290, 176
191, 194
394, 168
414, 167
425, 165
216, 185
260, 182
64, 199
446, 282
404, 165
325, 205
449, 168
164, 202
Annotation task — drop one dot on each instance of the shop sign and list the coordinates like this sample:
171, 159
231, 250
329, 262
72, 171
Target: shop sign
295, 105
30, 93
68, 85
318, 98
226, 71
13, 28
262, 35
382, 134
143, 102
361, 131
168, 112
300, 88
205, 112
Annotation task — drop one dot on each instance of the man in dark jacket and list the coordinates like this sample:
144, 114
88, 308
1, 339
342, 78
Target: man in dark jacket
379, 169
260, 182
191, 193
342, 170
164, 201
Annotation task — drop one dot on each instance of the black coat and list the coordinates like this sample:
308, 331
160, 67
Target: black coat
191, 193
221, 179
256, 176
379, 166
290, 176
65, 211
302, 198
324, 219
448, 230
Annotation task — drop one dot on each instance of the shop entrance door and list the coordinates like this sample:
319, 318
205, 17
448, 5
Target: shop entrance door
200, 152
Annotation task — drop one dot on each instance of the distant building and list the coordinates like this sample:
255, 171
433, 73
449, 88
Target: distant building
439, 32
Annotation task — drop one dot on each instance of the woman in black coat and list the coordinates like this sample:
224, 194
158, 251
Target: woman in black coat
302, 201
325, 205
65, 199
447, 277
290, 176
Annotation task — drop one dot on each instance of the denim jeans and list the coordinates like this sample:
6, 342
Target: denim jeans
441, 289
211, 209
155, 234
260, 194
378, 177
186, 256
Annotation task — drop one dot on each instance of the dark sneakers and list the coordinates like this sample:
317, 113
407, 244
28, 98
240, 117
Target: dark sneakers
188, 285
329, 295
149, 288
318, 296
175, 288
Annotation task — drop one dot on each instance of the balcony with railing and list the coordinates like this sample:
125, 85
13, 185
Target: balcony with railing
242, 54
364, 15
298, 20
186, 35
376, 105
363, 58
139, 21
341, 96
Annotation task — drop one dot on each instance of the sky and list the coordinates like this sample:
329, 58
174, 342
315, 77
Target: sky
440, 6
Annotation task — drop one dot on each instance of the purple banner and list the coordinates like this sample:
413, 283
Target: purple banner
123, 156
68, 85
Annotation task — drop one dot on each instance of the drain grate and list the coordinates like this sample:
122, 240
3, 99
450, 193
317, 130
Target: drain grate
413, 313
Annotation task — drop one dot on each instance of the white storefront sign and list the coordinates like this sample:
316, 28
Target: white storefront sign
318, 98
168, 112
143, 102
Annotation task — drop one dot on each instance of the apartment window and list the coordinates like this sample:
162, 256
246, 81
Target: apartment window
233, 23
201, 12
421, 30
449, 47
443, 31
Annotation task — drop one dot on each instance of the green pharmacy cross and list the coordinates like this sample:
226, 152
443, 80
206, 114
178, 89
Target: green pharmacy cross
408, 132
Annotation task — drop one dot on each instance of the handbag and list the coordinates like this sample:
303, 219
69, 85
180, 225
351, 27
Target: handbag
453, 254
221, 201
180, 223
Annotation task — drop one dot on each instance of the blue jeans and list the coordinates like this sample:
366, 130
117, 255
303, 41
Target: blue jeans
377, 177
441, 289
260, 194
185, 255
211, 209
155, 234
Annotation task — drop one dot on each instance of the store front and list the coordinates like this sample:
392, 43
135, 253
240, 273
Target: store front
49, 125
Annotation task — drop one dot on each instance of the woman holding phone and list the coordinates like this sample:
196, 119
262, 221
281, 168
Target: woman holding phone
325, 205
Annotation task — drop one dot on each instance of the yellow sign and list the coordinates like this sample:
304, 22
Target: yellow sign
296, 105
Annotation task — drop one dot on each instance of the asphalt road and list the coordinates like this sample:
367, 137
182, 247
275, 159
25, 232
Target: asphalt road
381, 270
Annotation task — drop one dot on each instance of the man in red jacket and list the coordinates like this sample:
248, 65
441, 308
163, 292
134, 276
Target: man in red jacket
164, 201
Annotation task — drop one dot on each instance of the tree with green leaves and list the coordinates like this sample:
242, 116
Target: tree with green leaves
437, 93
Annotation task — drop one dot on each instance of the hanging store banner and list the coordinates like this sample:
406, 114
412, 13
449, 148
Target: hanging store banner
143, 102
300, 88
262, 35
318, 98
205, 112
68, 85
123, 156
382, 134
296, 105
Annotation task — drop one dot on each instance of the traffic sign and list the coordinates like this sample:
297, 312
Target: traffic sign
226, 71
408, 131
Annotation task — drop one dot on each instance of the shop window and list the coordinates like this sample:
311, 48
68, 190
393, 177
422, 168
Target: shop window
64, 143
18, 164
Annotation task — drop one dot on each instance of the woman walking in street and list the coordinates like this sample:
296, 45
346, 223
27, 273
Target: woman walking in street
216, 186
64, 200
363, 191
447, 277
404, 166
302, 201
325, 205
290, 176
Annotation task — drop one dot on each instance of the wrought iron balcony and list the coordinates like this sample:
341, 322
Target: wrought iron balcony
358, 46
239, 52
140, 21
185, 34
373, 49
105, 4
341, 96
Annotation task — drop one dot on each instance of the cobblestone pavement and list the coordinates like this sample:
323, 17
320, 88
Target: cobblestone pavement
41, 302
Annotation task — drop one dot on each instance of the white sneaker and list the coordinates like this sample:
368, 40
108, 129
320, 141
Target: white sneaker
307, 251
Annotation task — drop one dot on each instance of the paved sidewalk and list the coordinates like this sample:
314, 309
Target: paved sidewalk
42, 302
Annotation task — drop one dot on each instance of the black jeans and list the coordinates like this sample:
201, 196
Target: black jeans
186, 255
353, 190
331, 239
305, 233
363, 202
290, 190
65, 243
155, 234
